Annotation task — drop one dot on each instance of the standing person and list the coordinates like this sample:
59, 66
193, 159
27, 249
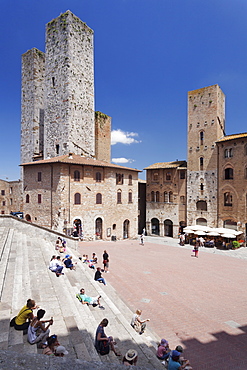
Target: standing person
142, 239
103, 344
138, 324
196, 247
37, 331
98, 277
22, 320
106, 261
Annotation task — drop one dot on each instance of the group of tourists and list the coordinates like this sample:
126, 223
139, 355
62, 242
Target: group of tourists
56, 264
172, 359
36, 329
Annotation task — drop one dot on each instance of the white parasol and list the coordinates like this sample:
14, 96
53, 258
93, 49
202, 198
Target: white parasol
228, 236
188, 231
213, 233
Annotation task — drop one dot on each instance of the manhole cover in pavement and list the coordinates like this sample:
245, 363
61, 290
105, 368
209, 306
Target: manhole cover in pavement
145, 300
163, 293
146, 272
232, 324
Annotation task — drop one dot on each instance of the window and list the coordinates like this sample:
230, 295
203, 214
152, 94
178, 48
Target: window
201, 186
201, 205
229, 174
77, 175
11, 201
201, 137
130, 179
77, 198
166, 197
98, 177
98, 198
182, 175
227, 199
39, 176
157, 196
130, 197
27, 198
4, 203
2, 212
245, 149
2, 192
201, 163
152, 196
10, 190
119, 197
170, 197
228, 153
57, 149
182, 199
245, 172
155, 176
39, 198
119, 178
168, 176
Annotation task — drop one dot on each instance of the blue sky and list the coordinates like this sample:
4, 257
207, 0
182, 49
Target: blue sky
148, 55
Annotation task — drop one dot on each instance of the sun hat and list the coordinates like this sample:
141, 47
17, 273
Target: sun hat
163, 342
131, 354
61, 349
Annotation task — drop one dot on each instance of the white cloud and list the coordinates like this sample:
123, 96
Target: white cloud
122, 160
119, 136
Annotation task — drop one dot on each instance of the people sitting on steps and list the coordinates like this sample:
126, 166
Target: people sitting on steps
85, 299
103, 344
25, 315
98, 277
138, 324
130, 358
37, 332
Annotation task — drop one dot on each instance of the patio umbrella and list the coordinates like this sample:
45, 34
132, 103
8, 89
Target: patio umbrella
200, 233
188, 231
213, 233
228, 236
223, 230
199, 227
238, 232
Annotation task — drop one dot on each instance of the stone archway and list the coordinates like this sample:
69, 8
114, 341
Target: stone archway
168, 226
126, 229
155, 226
98, 228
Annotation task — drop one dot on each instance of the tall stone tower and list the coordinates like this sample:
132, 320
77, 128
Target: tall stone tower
58, 93
69, 87
32, 112
102, 137
206, 124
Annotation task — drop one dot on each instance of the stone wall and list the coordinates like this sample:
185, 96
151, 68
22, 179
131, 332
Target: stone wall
102, 137
10, 196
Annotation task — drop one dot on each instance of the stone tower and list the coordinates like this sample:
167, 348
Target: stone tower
206, 124
102, 137
58, 93
69, 87
32, 112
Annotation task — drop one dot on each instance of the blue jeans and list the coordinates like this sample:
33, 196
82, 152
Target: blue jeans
102, 280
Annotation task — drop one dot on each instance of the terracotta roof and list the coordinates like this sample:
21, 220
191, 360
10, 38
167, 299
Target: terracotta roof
77, 159
175, 164
232, 137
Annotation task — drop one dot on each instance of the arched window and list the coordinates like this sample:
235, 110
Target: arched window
77, 198
98, 198
166, 197
201, 205
27, 198
98, 177
227, 199
228, 153
201, 163
119, 178
201, 221
229, 173
168, 176
245, 173
157, 196
201, 137
152, 196
76, 175
130, 179
130, 197
155, 176
182, 199
119, 197
170, 197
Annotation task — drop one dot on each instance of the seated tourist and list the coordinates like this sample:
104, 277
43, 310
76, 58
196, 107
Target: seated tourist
176, 363
52, 344
68, 263
98, 277
56, 265
163, 350
103, 344
61, 351
130, 358
85, 299
138, 324
22, 320
37, 332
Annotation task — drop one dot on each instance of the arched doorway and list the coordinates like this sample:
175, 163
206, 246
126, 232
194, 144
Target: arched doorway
155, 226
229, 224
77, 228
126, 229
201, 221
168, 225
98, 228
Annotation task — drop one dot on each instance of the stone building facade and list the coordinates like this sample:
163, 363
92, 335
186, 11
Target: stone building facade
232, 182
97, 199
10, 197
166, 198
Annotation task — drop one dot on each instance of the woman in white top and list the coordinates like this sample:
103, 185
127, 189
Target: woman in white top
37, 331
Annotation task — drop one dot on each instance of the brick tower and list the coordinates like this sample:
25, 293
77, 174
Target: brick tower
206, 124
